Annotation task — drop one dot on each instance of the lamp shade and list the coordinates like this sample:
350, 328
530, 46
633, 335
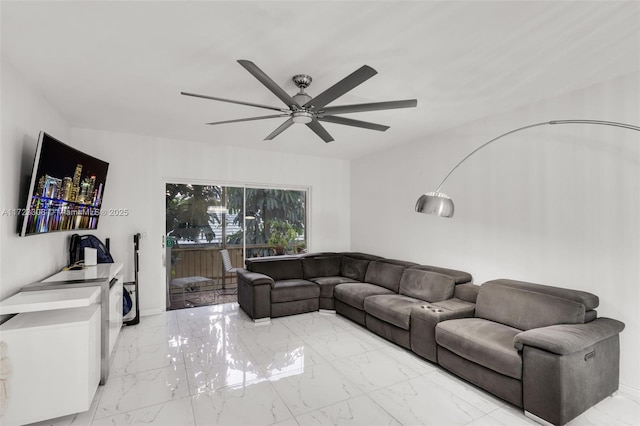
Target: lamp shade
436, 203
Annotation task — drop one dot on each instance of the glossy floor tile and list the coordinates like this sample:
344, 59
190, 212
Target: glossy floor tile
133, 391
315, 387
374, 370
360, 410
257, 403
175, 412
214, 366
420, 401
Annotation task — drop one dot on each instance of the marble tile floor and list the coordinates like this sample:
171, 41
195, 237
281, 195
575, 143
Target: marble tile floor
204, 298
212, 365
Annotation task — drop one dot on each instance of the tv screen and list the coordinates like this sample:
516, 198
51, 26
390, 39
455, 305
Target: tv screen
66, 189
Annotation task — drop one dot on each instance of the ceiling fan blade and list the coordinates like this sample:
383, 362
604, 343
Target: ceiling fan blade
249, 119
281, 128
374, 106
319, 130
270, 84
195, 95
355, 123
354, 79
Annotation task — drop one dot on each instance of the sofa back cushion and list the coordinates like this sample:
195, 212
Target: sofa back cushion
384, 274
361, 256
324, 266
459, 277
285, 269
404, 263
524, 309
427, 286
354, 268
589, 300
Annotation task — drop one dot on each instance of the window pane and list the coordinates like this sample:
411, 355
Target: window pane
278, 221
193, 213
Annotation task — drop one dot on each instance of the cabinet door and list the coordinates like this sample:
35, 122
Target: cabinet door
55, 363
115, 311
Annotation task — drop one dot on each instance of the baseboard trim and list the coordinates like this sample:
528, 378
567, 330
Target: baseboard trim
634, 393
153, 311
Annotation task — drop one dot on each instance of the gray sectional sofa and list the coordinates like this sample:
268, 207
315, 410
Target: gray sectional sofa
538, 347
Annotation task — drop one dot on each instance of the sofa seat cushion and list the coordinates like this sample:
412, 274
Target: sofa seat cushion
292, 290
484, 342
394, 309
328, 283
353, 294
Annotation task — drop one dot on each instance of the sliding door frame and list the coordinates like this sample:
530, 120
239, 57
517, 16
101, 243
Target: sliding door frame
244, 186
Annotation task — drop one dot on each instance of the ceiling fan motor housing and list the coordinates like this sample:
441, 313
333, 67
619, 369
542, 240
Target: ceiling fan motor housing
301, 98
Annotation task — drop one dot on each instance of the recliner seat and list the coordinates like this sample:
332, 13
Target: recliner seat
529, 344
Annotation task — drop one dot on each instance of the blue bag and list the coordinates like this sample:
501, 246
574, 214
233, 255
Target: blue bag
78, 244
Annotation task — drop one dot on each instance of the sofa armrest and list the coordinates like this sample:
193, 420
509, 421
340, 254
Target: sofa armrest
467, 292
254, 278
254, 293
425, 318
436, 312
568, 368
564, 339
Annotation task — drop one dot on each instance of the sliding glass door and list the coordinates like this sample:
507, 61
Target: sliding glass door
275, 220
202, 220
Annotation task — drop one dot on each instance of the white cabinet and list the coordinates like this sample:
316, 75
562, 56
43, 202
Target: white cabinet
47, 300
60, 342
55, 359
106, 276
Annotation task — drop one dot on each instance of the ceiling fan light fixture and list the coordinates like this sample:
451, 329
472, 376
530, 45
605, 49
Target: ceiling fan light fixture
302, 117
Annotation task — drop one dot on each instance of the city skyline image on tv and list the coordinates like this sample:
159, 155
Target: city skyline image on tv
66, 190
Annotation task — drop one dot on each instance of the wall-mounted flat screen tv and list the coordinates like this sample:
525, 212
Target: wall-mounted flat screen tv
66, 189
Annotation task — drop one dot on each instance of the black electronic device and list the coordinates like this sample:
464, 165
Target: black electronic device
65, 191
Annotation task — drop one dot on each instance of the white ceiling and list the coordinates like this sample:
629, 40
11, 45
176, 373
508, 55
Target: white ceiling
120, 66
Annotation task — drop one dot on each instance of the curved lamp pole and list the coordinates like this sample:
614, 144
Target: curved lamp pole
440, 204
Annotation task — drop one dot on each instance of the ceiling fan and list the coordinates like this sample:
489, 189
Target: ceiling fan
302, 108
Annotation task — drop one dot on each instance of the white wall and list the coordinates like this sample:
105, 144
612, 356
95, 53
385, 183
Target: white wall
557, 205
139, 167
23, 114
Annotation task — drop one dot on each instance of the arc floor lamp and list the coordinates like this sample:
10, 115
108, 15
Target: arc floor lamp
440, 204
